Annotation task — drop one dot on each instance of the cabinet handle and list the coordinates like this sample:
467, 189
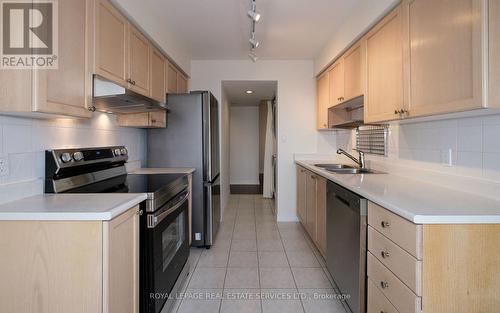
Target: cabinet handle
385, 254
153, 121
129, 81
133, 82
385, 224
384, 284
396, 112
383, 311
140, 212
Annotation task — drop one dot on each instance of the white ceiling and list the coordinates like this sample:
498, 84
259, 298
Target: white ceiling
237, 96
219, 29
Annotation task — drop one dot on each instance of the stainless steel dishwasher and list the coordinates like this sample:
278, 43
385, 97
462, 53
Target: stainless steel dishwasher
346, 244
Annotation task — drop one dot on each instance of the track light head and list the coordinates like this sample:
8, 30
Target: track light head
254, 15
254, 42
253, 56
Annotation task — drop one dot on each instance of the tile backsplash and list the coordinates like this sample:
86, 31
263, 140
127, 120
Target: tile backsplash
462, 146
23, 142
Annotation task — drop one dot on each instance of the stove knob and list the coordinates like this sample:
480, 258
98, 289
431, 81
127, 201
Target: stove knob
66, 157
124, 151
78, 156
117, 152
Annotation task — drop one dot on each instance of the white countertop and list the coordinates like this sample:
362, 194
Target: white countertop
414, 200
70, 207
163, 170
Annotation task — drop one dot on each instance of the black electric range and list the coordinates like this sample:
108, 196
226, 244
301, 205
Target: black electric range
164, 223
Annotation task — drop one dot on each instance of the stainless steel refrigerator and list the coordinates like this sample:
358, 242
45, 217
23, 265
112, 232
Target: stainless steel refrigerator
192, 140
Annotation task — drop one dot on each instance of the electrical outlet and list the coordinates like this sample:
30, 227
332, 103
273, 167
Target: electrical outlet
4, 167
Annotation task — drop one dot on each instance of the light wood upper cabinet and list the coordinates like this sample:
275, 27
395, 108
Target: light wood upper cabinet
158, 75
171, 78
156, 119
354, 72
111, 51
121, 264
323, 100
494, 53
65, 91
384, 65
139, 62
301, 194
336, 80
182, 83
445, 55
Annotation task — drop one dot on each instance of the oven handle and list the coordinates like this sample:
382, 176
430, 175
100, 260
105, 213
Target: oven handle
154, 220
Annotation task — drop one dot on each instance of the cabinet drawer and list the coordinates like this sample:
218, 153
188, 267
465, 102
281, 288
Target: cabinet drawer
404, 233
396, 292
377, 302
397, 260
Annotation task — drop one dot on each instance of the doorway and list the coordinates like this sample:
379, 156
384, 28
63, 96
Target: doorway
250, 132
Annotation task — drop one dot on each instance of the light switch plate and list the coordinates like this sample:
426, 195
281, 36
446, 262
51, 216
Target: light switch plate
4, 166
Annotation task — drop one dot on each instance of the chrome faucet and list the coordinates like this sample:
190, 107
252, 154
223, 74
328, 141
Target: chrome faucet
360, 161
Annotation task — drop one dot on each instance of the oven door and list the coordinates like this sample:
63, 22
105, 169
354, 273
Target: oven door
165, 251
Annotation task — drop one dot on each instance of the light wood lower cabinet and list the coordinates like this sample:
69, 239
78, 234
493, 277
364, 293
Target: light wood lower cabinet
447, 268
311, 206
70, 266
301, 194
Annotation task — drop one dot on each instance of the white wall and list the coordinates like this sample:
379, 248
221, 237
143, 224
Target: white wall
225, 155
357, 22
152, 24
23, 142
296, 111
244, 145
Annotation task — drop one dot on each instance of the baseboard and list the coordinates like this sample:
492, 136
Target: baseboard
245, 189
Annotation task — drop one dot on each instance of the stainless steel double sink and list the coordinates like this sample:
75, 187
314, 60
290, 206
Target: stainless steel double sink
345, 169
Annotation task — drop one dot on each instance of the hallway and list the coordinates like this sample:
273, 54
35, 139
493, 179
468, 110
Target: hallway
258, 265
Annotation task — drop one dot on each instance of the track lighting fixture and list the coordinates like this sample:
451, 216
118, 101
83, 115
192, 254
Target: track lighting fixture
253, 14
253, 41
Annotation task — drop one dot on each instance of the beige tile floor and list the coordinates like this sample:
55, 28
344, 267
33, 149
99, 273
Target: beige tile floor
258, 265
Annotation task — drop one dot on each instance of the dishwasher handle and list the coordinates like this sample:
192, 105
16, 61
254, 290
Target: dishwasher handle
344, 201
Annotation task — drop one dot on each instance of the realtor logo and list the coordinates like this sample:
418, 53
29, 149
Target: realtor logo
29, 34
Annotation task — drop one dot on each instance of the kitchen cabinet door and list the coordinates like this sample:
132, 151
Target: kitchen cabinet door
323, 100
321, 214
158, 76
111, 51
156, 119
171, 79
301, 195
182, 83
139, 62
384, 82
311, 181
121, 263
494, 54
353, 72
445, 55
66, 90
336, 80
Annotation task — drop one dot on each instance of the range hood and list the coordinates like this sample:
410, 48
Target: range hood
112, 98
347, 115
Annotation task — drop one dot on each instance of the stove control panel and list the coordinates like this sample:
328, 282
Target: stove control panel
65, 158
